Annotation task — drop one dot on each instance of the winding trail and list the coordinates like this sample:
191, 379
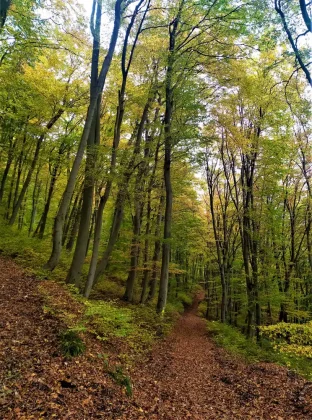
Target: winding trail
188, 377
185, 376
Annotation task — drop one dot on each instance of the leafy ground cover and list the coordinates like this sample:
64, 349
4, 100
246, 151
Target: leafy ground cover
183, 375
267, 350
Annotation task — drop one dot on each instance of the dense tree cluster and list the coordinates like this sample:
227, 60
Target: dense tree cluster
175, 149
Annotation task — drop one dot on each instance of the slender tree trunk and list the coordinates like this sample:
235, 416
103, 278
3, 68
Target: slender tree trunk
87, 203
157, 249
92, 144
19, 170
164, 274
96, 271
146, 271
10, 195
19, 201
96, 247
135, 249
60, 217
4, 8
71, 214
125, 67
43, 220
35, 199
74, 228
137, 219
7, 168
93, 219
211, 187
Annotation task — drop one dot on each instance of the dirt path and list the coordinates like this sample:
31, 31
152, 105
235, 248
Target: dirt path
185, 376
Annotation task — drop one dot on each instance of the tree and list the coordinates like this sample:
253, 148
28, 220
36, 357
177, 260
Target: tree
300, 54
60, 218
4, 7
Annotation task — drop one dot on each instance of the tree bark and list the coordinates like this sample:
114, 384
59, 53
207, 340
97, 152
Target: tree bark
96, 271
164, 274
7, 168
157, 249
19, 201
60, 217
4, 7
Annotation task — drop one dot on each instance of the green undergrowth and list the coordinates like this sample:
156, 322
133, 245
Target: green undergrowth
136, 325
31, 253
290, 338
110, 319
130, 328
71, 343
232, 340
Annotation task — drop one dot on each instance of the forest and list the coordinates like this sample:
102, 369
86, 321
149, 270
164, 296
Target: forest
155, 160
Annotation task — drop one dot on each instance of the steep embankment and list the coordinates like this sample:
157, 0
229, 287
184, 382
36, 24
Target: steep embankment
185, 376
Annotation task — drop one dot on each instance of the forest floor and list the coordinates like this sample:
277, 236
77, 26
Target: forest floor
185, 376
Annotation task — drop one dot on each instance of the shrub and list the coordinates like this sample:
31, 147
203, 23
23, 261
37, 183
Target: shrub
293, 339
174, 308
71, 343
110, 288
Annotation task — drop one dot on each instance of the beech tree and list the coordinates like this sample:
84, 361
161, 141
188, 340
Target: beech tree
179, 159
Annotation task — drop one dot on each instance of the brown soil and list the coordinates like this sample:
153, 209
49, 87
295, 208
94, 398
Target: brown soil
185, 376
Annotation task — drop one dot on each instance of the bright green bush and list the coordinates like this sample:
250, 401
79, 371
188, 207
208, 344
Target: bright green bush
174, 308
293, 339
139, 325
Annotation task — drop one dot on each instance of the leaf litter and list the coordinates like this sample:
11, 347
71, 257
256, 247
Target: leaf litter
185, 376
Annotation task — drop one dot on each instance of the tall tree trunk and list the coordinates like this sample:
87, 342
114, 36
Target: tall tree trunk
139, 201
4, 7
87, 203
135, 249
71, 214
74, 227
54, 175
93, 141
125, 67
10, 195
43, 219
96, 271
7, 168
164, 274
211, 182
157, 248
146, 270
65, 202
35, 199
